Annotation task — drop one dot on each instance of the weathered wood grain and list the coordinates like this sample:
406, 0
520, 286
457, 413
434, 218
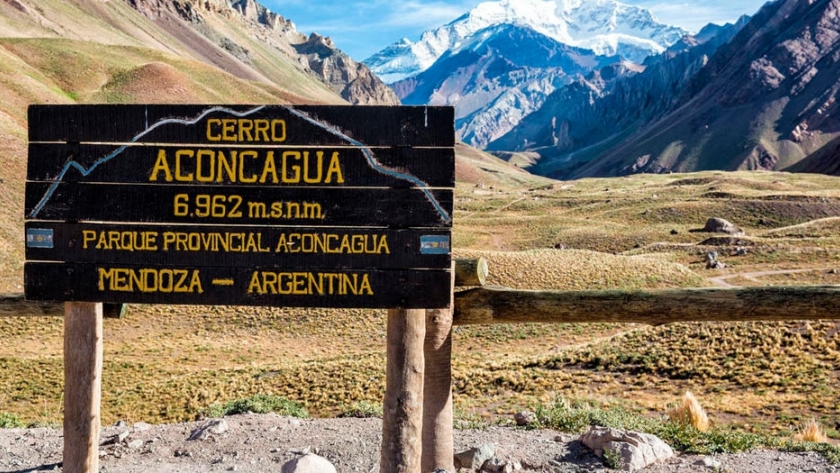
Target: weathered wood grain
494, 305
82, 386
402, 420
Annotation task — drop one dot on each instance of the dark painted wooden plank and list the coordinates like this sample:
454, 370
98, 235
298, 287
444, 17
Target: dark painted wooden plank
303, 125
275, 165
148, 284
242, 246
396, 208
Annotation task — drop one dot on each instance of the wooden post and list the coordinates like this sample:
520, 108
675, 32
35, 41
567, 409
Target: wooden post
402, 419
470, 272
438, 449
82, 386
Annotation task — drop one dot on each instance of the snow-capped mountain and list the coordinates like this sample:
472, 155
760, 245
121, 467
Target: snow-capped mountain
607, 27
496, 77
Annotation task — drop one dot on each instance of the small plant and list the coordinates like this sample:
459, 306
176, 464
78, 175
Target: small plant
811, 432
690, 412
827, 450
362, 409
259, 404
10, 421
468, 420
577, 416
612, 459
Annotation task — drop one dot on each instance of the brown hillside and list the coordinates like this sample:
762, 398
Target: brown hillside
155, 82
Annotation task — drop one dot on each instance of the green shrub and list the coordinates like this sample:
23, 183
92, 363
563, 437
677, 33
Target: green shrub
259, 404
577, 416
362, 409
10, 421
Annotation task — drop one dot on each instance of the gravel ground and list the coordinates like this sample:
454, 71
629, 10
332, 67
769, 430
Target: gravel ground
262, 443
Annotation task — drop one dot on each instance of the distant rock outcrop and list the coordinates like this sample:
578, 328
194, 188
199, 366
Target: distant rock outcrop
352, 80
314, 55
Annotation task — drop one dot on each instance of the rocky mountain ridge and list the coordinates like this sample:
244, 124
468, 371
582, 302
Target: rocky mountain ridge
595, 112
314, 55
496, 77
767, 100
764, 100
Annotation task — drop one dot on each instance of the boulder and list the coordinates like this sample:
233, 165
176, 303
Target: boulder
211, 427
628, 451
525, 418
474, 458
309, 463
712, 262
719, 225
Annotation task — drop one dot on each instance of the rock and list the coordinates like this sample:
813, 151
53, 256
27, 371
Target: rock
715, 265
141, 426
494, 465
211, 427
135, 444
115, 439
120, 423
309, 463
719, 225
474, 458
525, 418
709, 462
712, 261
501, 466
628, 451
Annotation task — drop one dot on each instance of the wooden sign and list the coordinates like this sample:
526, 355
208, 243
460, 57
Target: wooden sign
320, 206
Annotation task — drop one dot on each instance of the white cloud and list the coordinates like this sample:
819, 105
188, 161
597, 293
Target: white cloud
426, 15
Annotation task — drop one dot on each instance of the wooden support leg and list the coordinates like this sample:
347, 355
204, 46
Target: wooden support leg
82, 386
438, 450
402, 419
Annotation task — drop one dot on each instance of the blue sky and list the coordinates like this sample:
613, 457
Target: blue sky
361, 28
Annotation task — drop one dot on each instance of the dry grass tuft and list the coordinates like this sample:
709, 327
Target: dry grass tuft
690, 412
812, 432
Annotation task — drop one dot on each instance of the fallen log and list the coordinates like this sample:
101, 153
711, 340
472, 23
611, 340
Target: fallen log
496, 305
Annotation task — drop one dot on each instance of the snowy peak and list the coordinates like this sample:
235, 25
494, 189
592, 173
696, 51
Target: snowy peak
607, 27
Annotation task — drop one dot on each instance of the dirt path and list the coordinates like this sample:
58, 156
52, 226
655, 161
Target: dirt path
720, 281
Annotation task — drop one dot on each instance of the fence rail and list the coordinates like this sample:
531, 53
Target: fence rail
496, 305
15, 304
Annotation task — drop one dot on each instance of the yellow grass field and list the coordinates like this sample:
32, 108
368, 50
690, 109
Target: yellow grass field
167, 363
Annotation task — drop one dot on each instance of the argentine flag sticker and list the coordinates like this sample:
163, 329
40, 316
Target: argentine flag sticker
39, 238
